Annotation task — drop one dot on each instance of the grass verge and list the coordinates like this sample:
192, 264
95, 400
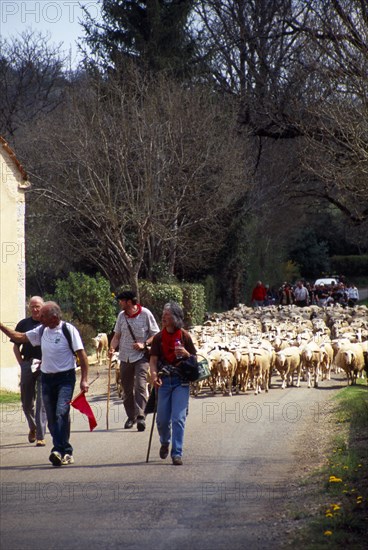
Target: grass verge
9, 397
341, 517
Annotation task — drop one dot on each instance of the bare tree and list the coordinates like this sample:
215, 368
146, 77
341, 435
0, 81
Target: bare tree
139, 172
334, 153
31, 80
254, 54
334, 160
300, 71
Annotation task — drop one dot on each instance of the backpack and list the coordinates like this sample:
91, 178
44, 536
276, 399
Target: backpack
68, 336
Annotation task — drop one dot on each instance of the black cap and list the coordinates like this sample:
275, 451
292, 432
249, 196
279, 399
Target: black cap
126, 295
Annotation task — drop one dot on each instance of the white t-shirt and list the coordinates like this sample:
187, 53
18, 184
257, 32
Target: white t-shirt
56, 353
353, 293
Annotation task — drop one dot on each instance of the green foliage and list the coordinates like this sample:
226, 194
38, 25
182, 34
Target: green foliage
266, 256
350, 265
9, 397
310, 254
160, 272
342, 493
210, 292
194, 303
290, 271
88, 300
154, 34
353, 404
191, 297
155, 296
87, 332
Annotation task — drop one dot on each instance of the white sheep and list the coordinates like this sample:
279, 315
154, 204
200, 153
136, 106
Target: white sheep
351, 359
287, 362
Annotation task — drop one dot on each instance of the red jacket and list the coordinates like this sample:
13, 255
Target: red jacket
259, 293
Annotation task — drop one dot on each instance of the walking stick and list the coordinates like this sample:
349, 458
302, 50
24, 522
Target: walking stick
159, 374
108, 395
152, 427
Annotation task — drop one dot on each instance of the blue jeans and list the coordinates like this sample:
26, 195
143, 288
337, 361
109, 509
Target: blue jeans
57, 392
172, 406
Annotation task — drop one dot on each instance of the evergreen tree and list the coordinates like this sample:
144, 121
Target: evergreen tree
154, 33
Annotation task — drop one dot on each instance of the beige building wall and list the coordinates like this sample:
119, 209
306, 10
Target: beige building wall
13, 183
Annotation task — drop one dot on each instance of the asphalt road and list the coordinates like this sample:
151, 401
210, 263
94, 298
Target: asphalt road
239, 453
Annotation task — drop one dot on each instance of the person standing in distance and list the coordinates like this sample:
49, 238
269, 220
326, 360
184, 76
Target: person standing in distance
353, 295
301, 295
30, 376
259, 294
134, 330
58, 374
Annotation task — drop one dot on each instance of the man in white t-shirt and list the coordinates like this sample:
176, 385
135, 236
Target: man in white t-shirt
58, 374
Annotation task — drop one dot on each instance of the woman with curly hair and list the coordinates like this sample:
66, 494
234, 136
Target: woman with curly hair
169, 346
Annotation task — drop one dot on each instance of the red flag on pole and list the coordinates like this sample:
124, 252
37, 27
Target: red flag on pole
81, 403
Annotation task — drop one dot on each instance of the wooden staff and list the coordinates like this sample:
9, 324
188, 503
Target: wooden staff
108, 395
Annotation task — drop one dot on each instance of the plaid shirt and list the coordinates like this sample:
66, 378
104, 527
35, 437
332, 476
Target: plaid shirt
143, 326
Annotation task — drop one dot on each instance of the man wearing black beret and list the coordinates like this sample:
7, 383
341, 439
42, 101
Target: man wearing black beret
134, 330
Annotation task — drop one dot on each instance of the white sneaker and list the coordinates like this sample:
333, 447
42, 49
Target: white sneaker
67, 459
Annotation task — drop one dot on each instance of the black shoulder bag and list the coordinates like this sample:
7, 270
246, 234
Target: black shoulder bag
193, 370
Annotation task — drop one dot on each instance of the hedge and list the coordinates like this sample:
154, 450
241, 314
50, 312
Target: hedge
86, 299
155, 295
194, 302
191, 297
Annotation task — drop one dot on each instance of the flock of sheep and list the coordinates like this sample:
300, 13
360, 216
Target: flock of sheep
246, 347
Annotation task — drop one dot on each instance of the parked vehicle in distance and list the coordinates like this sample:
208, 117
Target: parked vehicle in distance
326, 281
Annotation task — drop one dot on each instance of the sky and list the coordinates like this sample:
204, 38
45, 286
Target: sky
59, 18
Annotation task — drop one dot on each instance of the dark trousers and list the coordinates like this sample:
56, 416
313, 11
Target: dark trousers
31, 397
